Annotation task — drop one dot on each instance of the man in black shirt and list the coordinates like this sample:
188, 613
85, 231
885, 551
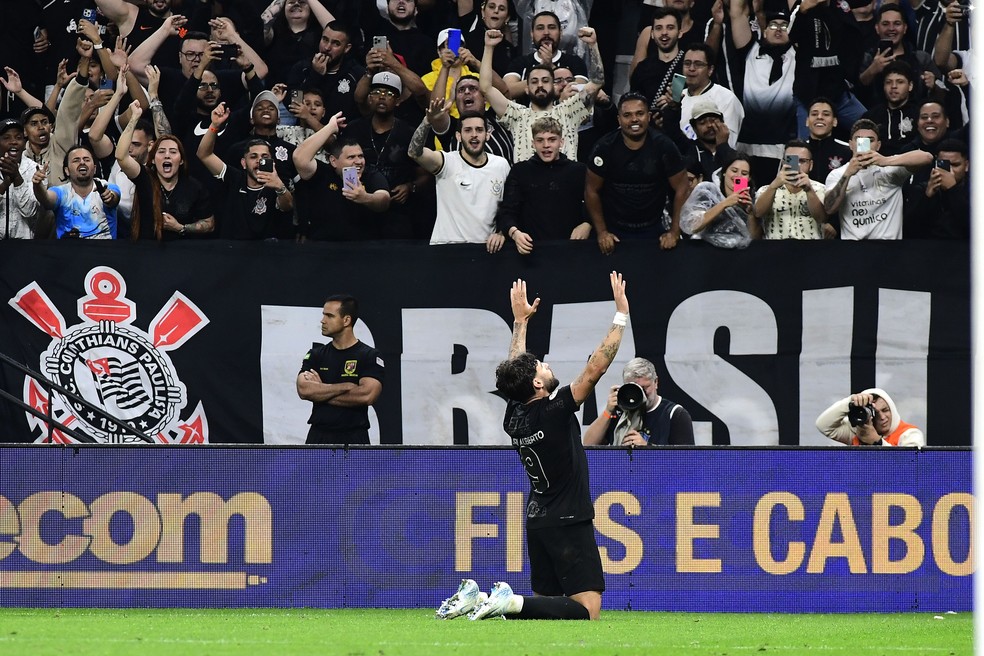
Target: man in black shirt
384, 139
828, 153
342, 378
258, 204
330, 206
333, 70
544, 196
565, 567
630, 176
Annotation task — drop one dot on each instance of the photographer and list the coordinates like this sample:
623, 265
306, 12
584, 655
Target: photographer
636, 415
868, 418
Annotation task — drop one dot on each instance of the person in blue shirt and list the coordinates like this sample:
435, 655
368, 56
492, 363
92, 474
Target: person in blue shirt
85, 206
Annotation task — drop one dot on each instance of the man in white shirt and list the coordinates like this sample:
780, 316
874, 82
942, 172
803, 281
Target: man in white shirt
697, 68
867, 191
470, 181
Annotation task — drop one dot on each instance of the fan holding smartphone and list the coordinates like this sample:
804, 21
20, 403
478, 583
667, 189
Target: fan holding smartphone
867, 191
720, 213
791, 206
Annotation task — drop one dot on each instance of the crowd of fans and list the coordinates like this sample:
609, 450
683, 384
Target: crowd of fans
453, 121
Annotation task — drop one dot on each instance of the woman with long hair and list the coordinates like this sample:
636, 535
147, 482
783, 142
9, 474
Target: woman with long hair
168, 203
723, 214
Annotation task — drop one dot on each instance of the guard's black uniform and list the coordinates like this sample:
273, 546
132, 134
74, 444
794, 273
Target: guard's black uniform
560, 537
332, 424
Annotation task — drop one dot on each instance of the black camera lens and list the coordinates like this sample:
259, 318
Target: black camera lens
630, 397
859, 415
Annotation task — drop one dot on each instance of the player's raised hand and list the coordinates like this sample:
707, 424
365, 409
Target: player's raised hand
618, 291
521, 307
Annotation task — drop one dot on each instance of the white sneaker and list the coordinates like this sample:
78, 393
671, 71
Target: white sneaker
464, 600
496, 604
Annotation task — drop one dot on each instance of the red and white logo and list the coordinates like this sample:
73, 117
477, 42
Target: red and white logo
113, 365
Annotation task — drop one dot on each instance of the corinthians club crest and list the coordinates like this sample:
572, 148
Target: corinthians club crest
113, 365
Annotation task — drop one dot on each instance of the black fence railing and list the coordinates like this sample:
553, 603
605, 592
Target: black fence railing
47, 417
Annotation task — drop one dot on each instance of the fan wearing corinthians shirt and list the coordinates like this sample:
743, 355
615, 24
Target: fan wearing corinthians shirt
867, 191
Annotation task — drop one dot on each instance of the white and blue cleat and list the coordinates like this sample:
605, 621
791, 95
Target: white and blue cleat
466, 599
496, 604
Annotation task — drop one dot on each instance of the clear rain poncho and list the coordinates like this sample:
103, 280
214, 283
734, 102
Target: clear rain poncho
728, 230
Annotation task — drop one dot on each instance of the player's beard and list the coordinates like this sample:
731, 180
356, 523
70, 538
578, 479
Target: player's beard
551, 385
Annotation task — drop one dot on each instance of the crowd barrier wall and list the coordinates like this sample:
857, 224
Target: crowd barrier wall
202, 342
729, 529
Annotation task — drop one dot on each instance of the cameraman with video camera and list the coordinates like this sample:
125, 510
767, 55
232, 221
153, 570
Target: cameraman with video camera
636, 415
868, 418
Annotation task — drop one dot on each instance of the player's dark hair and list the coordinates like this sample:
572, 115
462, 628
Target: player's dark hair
514, 377
348, 306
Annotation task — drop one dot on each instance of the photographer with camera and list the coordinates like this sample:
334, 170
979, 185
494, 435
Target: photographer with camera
636, 415
868, 418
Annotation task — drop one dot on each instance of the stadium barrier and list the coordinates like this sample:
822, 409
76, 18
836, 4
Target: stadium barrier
679, 529
202, 342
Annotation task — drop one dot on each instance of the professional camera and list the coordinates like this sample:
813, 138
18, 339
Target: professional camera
859, 415
630, 397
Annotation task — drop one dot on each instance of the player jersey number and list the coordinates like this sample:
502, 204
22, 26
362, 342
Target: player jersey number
534, 469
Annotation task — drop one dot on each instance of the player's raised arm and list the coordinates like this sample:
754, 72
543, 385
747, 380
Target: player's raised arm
522, 311
604, 355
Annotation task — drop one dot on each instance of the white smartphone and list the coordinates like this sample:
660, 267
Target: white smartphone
380, 42
350, 177
863, 144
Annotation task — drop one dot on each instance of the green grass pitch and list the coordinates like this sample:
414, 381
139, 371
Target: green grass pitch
259, 632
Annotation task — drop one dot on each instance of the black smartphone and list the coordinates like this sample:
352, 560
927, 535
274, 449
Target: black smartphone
885, 44
228, 51
266, 165
943, 164
793, 162
297, 96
